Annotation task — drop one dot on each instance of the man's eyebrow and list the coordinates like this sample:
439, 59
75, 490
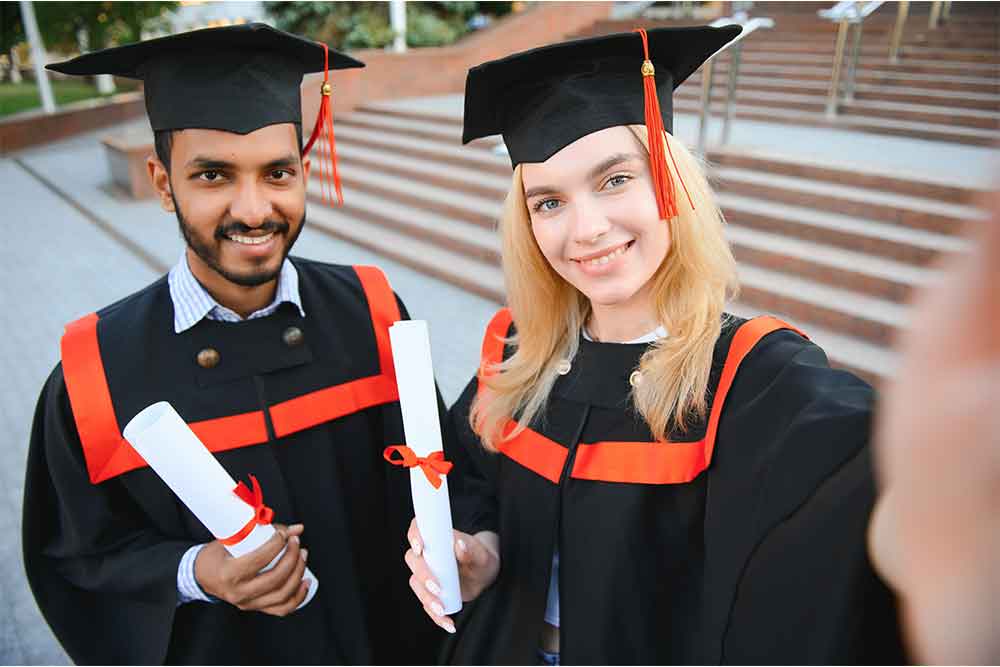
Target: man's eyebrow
612, 161
202, 162
286, 161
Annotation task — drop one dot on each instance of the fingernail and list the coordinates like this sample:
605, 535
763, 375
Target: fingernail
437, 608
298, 526
450, 627
418, 548
305, 554
295, 539
461, 546
433, 587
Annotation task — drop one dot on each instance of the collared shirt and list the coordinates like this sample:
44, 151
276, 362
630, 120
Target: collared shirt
193, 303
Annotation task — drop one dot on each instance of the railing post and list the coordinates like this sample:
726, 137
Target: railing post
838, 56
852, 66
706, 100
734, 69
935, 18
897, 31
946, 11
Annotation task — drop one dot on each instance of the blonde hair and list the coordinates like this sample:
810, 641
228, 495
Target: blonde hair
690, 289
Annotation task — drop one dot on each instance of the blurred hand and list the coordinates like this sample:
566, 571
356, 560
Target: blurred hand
240, 582
478, 558
935, 533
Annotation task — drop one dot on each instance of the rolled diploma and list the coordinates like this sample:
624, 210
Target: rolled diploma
176, 454
411, 355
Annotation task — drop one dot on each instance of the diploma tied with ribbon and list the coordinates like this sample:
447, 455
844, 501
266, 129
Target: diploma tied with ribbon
233, 513
423, 454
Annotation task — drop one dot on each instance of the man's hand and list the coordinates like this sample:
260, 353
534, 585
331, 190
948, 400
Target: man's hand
478, 559
240, 582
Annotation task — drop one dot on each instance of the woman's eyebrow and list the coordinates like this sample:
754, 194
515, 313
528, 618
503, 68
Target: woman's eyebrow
612, 161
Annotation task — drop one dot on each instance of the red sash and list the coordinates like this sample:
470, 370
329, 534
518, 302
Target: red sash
627, 462
108, 454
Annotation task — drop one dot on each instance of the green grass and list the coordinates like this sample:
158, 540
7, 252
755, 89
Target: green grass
17, 97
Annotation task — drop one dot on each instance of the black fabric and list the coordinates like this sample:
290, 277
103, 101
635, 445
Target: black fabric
544, 99
102, 559
234, 78
760, 559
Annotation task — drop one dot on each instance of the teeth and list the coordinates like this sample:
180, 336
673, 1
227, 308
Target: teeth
604, 259
251, 240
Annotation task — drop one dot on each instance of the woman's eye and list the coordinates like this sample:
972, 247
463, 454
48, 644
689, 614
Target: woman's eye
546, 205
616, 181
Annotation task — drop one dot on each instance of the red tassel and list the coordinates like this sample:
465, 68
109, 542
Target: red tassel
329, 176
663, 184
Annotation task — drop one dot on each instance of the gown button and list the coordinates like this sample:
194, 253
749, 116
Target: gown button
292, 336
635, 379
208, 358
563, 367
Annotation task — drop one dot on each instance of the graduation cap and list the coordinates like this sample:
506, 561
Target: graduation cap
544, 99
236, 78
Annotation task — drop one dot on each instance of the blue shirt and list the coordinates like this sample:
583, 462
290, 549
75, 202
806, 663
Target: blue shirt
192, 304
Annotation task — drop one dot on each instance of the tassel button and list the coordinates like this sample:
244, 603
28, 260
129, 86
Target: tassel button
326, 89
648, 69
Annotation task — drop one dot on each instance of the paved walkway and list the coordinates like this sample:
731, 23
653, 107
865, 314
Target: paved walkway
65, 258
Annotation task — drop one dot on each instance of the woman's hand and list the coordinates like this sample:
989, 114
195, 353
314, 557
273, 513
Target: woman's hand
478, 559
935, 533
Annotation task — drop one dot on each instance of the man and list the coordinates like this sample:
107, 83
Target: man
281, 366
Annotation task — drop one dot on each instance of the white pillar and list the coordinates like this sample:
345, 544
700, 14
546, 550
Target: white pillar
37, 55
15, 67
397, 17
105, 82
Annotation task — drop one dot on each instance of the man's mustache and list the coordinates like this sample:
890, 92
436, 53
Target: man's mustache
230, 228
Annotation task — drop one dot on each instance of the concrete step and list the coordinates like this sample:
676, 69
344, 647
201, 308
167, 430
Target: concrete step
368, 184
869, 76
896, 127
818, 90
944, 188
835, 267
424, 256
908, 246
903, 210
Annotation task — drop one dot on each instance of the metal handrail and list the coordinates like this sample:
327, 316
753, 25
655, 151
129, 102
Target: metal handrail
847, 14
735, 48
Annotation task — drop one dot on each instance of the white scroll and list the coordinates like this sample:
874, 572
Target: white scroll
411, 355
176, 454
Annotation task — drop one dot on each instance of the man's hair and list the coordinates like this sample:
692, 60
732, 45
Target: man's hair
163, 140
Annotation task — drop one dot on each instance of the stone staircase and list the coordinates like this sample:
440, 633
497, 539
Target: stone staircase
834, 249
945, 87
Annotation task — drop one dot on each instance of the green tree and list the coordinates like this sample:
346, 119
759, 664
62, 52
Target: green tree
11, 30
103, 23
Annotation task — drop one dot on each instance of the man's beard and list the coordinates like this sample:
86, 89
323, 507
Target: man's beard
210, 255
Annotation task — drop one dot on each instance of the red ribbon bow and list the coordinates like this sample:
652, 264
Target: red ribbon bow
262, 514
433, 464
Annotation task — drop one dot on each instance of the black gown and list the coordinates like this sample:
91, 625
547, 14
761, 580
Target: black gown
103, 535
739, 541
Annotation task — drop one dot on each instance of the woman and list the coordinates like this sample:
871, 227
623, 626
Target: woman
640, 477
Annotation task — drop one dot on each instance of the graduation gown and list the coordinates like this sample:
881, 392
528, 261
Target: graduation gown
739, 541
307, 415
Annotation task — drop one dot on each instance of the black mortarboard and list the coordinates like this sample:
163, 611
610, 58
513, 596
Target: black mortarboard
544, 99
236, 78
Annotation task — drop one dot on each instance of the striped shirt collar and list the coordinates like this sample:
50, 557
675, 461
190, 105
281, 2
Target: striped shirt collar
193, 303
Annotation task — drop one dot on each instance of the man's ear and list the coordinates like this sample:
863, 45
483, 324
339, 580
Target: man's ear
160, 178
306, 167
